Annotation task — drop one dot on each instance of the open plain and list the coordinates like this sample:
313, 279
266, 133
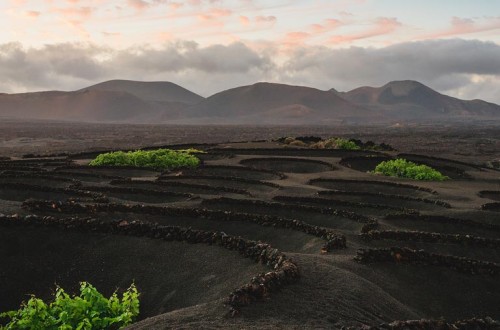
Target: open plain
262, 234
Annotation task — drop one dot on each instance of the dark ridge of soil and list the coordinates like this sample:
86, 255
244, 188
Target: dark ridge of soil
379, 198
38, 179
384, 187
86, 177
363, 163
21, 191
445, 220
296, 152
289, 165
235, 171
222, 181
180, 187
428, 237
214, 156
21, 168
474, 323
325, 202
139, 195
490, 194
120, 171
421, 257
491, 207
443, 161
36, 162
323, 217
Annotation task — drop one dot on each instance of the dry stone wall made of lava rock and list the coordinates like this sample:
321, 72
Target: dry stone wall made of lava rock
421, 257
284, 270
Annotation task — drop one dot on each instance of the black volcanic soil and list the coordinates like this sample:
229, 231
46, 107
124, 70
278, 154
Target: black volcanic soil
243, 190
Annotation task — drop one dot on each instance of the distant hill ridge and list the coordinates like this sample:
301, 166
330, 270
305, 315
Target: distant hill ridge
410, 98
131, 101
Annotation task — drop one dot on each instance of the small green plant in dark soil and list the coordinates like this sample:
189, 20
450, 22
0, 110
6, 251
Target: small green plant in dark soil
402, 168
167, 159
89, 310
345, 144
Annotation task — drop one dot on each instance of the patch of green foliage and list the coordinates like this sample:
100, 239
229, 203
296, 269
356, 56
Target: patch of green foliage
89, 310
402, 168
345, 144
167, 159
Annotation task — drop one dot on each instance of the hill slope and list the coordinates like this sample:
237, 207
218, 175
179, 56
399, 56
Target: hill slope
110, 101
268, 103
411, 99
89, 106
156, 91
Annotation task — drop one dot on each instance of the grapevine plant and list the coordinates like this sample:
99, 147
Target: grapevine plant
403, 168
166, 159
89, 310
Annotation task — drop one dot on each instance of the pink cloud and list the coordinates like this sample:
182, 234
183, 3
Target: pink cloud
215, 14
460, 26
138, 4
33, 13
176, 5
293, 38
244, 20
84, 12
383, 26
328, 25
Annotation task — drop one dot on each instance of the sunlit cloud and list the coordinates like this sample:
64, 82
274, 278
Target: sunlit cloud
318, 43
382, 26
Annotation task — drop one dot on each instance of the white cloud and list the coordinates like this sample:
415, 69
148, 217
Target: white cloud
463, 68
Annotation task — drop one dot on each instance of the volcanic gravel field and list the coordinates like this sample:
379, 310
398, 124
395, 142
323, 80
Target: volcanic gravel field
261, 235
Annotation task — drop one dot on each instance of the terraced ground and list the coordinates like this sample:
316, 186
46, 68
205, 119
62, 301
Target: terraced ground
260, 236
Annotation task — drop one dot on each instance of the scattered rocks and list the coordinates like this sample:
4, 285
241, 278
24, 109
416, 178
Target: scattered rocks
373, 182
486, 323
491, 207
222, 178
323, 210
283, 269
443, 219
421, 236
325, 201
388, 196
200, 187
421, 257
334, 239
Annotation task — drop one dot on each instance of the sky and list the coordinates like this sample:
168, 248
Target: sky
208, 46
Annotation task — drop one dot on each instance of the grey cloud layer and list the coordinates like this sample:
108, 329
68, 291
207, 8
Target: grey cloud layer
465, 68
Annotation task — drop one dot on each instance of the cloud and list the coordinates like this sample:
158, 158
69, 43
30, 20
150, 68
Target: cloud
464, 26
382, 26
446, 65
72, 66
138, 4
266, 19
464, 68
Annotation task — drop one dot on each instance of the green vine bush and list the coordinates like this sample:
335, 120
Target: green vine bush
166, 159
89, 310
402, 168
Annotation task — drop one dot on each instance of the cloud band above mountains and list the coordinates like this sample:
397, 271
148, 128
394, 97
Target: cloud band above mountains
464, 68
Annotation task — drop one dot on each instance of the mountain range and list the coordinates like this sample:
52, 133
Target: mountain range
128, 101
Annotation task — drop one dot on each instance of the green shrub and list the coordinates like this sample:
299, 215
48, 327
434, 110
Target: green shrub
160, 158
340, 143
89, 310
405, 169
